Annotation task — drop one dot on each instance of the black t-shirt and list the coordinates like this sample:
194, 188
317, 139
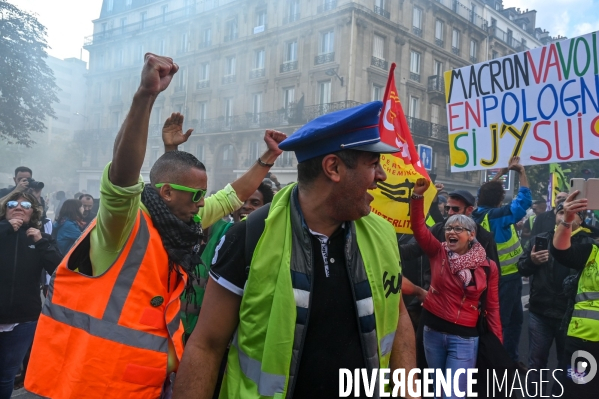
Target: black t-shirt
332, 339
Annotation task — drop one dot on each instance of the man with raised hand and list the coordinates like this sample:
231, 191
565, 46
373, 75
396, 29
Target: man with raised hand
322, 290
110, 326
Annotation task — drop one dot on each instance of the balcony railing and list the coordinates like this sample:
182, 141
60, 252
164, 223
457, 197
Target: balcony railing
327, 5
257, 73
179, 89
159, 21
415, 76
324, 58
435, 83
473, 59
377, 62
291, 18
440, 42
381, 11
417, 31
203, 84
228, 79
507, 38
288, 66
455, 50
205, 44
424, 128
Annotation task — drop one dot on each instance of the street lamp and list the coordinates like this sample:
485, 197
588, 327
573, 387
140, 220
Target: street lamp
333, 72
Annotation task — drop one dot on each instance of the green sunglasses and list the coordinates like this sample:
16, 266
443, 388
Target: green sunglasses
198, 193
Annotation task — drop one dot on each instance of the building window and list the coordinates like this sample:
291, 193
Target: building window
327, 42
110, 5
184, 43
141, 52
181, 79
117, 90
435, 114
123, 24
231, 30
142, 18
415, 66
324, 93
116, 118
206, 37
438, 71
473, 51
128, 3
228, 158
260, 21
119, 58
204, 71
377, 92
417, 21
473, 13
494, 54
230, 65
156, 119
256, 107
164, 11
200, 152
259, 56
288, 99
293, 11
228, 113
291, 51
439, 33
414, 109
455, 41
378, 47
254, 151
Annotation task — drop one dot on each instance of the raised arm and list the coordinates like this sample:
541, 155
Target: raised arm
250, 180
130, 144
423, 236
172, 132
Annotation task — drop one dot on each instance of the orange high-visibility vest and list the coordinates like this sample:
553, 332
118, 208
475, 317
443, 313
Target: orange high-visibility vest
107, 336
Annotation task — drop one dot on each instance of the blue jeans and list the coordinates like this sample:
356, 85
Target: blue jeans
541, 333
510, 311
446, 351
13, 348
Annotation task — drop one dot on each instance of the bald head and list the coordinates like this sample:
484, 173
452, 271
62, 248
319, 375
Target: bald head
172, 165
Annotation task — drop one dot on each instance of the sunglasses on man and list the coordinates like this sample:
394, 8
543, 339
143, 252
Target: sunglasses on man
456, 209
14, 204
198, 193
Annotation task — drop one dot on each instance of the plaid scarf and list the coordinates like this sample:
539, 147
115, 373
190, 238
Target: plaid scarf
181, 240
460, 264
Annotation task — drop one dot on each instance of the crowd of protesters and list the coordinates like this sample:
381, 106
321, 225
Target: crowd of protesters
160, 290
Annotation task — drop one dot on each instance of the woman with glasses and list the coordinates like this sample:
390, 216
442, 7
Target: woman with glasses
67, 227
458, 278
24, 252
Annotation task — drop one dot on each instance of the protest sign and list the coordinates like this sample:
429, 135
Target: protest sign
541, 105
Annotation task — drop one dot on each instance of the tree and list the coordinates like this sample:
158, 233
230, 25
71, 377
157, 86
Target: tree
27, 87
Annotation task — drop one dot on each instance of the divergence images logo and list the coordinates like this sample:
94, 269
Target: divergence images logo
583, 370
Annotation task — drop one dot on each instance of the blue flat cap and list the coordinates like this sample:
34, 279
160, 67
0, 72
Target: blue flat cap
354, 128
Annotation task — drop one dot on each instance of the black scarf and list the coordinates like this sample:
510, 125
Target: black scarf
181, 240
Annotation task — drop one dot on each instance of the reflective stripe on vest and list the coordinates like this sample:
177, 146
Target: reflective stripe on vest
110, 319
509, 252
584, 323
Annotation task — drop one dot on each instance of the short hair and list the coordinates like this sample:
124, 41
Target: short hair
70, 209
86, 196
38, 211
491, 194
60, 195
266, 191
173, 164
310, 169
462, 220
23, 169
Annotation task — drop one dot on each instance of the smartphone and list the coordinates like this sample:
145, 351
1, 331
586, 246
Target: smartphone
541, 244
589, 189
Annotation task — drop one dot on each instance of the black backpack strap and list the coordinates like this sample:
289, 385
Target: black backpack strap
254, 226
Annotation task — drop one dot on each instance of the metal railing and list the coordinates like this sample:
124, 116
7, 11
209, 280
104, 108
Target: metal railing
435, 83
427, 129
288, 66
324, 58
229, 79
440, 42
205, 44
203, 84
455, 50
155, 22
465, 12
508, 39
257, 73
381, 11
417, 31
415, 77
377, 62
473, 59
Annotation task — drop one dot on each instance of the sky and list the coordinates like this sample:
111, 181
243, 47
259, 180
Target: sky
69, 21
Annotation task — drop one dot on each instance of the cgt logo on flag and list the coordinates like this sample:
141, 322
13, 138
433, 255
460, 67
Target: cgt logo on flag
392, 197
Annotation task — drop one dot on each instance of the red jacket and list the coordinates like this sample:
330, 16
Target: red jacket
447, 298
